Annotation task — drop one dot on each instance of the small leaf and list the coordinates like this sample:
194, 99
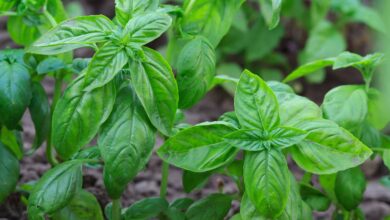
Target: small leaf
309, 68
255, 104
156, 87
271, 11
349, 188
267, 181
9, 172
200, 148
192, 181
314, 198
182, 203
231, 119
146, 209
215, 206
13, 141
124, 9
49, 65
377, 109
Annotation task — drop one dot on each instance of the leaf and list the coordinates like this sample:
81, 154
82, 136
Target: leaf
195, 71
50, 64
146, 209
72, 34
309, 68
9, 172
83, 206
346, 105
271, 11
231, 73
256, 140
126, 142
215, 206
349, 188
143, 29
40, 114
78, 115
267, 181
377, 109
255, 104
328, 148
199, 148
231, 119
13, 141
192, 181
124, 9
20, 32
107, 62
209, 18
55, 189
314, 198
370, 17
6, 5
15, 91
156, 87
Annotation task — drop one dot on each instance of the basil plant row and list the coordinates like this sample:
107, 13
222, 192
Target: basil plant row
127, 94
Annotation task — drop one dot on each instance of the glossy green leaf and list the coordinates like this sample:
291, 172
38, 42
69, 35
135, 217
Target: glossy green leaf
78, 116
256, 140
231, 119
126, 141
309, 68
146, 209
195, 71
9, 172
20, 32
192, 181
12, 139
200, 148
377, 109
346, 105
267, 181
83, 206
146, 28
72, 34
50, 64
40, 114
209, 18
215, 206
55, 189
124, 9
15, 91
6, 5
314, 198
328, 148
156, 87
349, 188
271, 11
231, 73
255, 104
107, 62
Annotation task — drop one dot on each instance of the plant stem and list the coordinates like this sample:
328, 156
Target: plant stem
164, 179
116, 209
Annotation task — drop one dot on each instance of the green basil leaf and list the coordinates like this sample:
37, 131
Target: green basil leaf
50, 64
256, 140
55, 189
328, 148
215, 206
146, 209
255, 104
271, 11
126, 142
314, 198
368, 135
15, 92
40, 114
107, 62
78, 116
146, 28
124, 9
72, 34
309, 68
13, 141
182, 203
7, 5
231, 119
192, 181
20, 32
9, 172
209, 18
83, 206
200, 148
279, 87
267, 181
349, 188
195, 71
346, 59
377, 109
156, 87
370, 17
346, 105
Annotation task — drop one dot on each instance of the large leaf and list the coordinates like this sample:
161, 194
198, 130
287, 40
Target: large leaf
156, 87
255, 104
146, 28
195, 71
271, 11
15, 91
83, 206
78, 116
256, 140
9, 172
215, 206
104, 66
328, 148
124, 9
267, 181
126, 142
72, 34
20, 32
200, 148
209, 18
349, 188
40, 114
346, 105
55, 189
146, 209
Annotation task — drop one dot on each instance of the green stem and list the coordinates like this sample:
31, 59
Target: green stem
164, 180
116, 209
